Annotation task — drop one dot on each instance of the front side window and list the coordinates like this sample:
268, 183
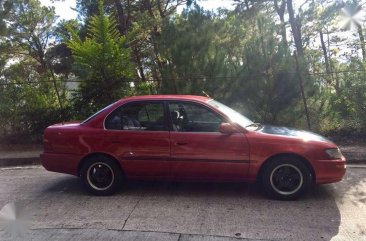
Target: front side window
190, 117
232, 114
138, 116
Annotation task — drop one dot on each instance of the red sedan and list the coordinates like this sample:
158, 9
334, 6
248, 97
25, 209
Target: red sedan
177, 137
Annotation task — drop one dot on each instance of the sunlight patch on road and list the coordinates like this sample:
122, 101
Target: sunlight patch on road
13, 220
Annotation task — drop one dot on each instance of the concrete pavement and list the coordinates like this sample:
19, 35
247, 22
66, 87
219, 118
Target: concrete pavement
59, 209
96, 234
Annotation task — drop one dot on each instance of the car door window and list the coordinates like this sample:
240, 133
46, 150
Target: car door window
138, 116
191, 117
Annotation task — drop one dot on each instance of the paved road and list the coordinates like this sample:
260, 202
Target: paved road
59, 209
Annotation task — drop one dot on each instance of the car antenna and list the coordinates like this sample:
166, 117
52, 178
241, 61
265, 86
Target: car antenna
206, 94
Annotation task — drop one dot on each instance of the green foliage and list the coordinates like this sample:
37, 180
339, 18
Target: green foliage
27, 106
243, 58
190, 55
28, 99
345, 110
258, 75
103, 62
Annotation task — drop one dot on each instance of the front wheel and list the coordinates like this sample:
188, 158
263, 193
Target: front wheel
101, 175
286, 178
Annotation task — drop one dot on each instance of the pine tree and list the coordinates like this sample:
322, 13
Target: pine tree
102, 61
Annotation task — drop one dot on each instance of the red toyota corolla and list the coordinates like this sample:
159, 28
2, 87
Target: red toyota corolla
177, 137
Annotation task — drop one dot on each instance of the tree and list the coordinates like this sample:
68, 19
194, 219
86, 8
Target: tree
243, 57
29, 30
28, 83
102, 61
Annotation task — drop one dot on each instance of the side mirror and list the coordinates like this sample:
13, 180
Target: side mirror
227, 128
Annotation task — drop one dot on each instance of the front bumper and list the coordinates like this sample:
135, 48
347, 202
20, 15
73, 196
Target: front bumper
329, 171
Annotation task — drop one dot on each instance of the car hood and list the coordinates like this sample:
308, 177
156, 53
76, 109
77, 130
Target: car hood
286, 131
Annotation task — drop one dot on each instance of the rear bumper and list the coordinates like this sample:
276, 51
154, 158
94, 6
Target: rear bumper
63, 163
329, 171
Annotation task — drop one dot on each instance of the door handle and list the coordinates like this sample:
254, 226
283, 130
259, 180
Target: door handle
181, 143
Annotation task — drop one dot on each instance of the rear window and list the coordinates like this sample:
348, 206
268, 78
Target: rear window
97, 113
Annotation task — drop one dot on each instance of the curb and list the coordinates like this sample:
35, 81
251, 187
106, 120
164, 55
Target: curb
24, 161
356, 161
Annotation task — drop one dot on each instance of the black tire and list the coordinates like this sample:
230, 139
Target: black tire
101, 175
286, 178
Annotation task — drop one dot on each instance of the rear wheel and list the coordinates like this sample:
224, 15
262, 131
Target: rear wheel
101, 175
286, 178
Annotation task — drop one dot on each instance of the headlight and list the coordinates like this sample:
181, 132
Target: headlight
334, 153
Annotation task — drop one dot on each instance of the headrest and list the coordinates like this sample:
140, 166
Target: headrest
174, 115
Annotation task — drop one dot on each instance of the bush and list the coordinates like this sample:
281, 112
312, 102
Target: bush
28, 125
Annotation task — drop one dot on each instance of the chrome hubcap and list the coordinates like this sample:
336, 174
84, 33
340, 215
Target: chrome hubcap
100, 176
286, 179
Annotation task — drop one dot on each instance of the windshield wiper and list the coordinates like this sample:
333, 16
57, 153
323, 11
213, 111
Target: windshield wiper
258, 125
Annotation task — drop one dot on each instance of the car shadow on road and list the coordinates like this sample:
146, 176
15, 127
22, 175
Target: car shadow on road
228, 209
69, 185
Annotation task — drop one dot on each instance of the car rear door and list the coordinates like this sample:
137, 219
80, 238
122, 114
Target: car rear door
199, 150
137, 133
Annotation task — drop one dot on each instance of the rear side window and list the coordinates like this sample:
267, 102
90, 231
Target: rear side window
138, 116
151, 112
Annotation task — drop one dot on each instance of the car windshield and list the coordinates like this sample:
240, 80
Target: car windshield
232, 114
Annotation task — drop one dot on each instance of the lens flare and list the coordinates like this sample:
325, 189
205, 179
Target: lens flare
351, 17
13, 220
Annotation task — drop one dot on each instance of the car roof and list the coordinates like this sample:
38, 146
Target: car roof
99, 116
167, 97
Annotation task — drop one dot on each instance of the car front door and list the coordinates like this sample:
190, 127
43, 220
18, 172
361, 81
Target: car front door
138, 135
199, 150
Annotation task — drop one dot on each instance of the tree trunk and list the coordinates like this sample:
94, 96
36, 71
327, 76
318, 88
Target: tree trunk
122, 25
55, 86
136, 55
154, 35
157, 58
362, 41
301, 83
295, 23
280, 9
325, 54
